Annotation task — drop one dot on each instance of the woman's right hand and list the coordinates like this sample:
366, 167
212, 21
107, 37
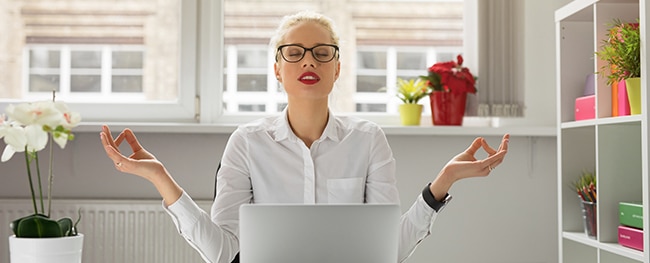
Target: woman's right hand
140, 162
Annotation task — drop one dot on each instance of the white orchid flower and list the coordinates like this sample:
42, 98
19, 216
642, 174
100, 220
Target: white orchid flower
34, 117
41, 113
14, 138
69, 119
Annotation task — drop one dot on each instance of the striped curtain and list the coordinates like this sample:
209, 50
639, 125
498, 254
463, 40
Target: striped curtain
501, 75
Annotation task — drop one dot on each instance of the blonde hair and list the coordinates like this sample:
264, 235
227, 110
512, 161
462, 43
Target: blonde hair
303, 16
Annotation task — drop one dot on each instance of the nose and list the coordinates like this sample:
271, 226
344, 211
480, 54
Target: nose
309, 60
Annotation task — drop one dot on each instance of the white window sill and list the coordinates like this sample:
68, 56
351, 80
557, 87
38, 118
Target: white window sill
471, 127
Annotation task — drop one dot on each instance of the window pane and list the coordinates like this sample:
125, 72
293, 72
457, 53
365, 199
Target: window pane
367, 107
371, 83
40, 83
252, 108
251, 83
85, 83
86, 59
128, 59
446, 57
252, 59
410, 60
126, 84
43, 58
372, 60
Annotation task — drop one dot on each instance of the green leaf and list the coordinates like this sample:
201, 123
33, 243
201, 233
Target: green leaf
66, 226
36, 226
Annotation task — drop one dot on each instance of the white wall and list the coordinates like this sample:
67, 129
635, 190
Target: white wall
508, 217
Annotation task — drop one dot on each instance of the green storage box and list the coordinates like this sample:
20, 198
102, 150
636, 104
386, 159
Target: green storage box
631, 214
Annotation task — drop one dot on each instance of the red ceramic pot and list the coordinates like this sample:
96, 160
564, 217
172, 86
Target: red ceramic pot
448, 108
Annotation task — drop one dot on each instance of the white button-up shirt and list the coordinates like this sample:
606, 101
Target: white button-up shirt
265, 162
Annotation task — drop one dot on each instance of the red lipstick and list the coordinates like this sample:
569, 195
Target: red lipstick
309, 78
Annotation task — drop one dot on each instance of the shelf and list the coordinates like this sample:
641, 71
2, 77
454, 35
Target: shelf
602, 121
615, 248
614, 147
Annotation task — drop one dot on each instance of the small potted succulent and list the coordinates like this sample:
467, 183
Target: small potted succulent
411, 92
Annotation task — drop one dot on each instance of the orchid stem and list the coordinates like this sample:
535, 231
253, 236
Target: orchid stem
40, 185
50, 173
31, 184
50, 179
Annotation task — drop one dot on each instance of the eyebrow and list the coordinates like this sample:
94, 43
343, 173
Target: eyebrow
303, 45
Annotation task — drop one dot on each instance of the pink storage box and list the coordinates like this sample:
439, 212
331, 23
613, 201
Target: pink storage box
585, 108
630, 237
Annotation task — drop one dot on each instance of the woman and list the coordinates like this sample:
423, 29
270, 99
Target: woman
306, 155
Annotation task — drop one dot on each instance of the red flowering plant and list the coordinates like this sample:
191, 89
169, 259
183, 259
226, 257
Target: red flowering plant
451, 76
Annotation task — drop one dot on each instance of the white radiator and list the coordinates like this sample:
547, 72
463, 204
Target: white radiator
121, 231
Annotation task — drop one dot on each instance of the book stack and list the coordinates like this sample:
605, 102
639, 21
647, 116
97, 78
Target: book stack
630, 230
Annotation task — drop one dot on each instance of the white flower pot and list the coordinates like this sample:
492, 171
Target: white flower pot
50, 250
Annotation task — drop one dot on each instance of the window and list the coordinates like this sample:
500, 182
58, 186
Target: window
380, 41
155, 60
109, 61
84, 72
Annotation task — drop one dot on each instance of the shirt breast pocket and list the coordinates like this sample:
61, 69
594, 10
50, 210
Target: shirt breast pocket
345, 190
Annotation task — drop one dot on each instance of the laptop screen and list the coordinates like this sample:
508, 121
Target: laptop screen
318, 233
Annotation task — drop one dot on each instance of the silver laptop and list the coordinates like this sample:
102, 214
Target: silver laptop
318, 233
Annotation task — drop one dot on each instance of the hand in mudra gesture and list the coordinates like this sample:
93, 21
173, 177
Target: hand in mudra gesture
140, 162
466, 165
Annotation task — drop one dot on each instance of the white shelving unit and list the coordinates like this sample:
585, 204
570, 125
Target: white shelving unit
616, 148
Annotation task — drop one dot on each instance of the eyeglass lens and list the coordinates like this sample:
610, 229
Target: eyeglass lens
295, 53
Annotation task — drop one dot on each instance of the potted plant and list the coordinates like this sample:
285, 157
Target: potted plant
450, 82
585, 187
621, 52
410, 92
27, 128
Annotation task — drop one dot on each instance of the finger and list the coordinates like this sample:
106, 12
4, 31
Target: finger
118, 159
494, 160
106, 142
476, 144
120, 138
504, 142
486, 147
132, 140
108, 136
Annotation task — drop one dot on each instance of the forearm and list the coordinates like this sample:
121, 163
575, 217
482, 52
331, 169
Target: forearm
441, 185
168, 189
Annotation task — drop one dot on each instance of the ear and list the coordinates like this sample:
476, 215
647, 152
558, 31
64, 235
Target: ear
338, 70
276, 69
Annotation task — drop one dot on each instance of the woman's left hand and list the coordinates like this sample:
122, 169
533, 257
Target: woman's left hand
465, 165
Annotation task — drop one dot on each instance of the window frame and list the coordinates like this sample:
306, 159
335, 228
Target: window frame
389, 118
183, 109
200, 98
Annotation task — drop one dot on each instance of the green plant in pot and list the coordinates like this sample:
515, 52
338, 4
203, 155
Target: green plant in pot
26, 129
411, 92
621, 52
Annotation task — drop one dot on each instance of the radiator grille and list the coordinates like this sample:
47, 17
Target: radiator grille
114, 231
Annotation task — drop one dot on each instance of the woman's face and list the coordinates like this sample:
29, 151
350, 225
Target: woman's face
308, 78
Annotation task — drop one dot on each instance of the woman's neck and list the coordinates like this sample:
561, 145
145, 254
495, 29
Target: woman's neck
308, 120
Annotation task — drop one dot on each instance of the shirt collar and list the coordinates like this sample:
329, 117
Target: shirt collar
282, 130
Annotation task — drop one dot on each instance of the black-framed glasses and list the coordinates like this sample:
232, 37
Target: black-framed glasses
293, 53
